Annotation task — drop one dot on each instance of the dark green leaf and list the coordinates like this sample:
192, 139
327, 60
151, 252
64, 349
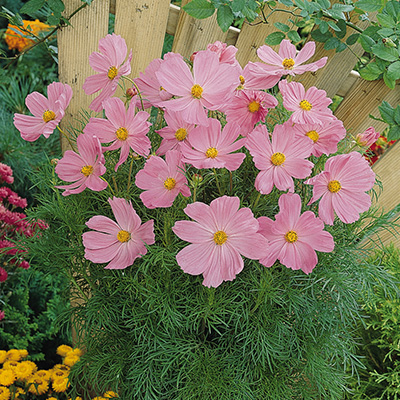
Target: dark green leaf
386, 20
225, 17
199, 9
369, 5
394, 133
370, 72
272, 4
294, 36
274, 38
335, 14
304, 13
282, 27
394, 70
352, 39
238, 5
331, 43
32, 6
387, 112
341, 33
333, 26
325, 4
54, 19
56, 5
300, 4
323, 26
319, 36
397, 115
386, 32
386, 53
301, 23
367, 42
341, 47
342, 7
393, 9
288, 3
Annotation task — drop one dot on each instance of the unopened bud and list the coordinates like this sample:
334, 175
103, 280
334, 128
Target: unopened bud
388, 42
193, 56
197, 179
130, 92
54, 161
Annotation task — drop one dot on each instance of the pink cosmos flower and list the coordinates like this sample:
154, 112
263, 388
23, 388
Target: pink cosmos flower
249, 107
309, 107
254, 79
152, 92
122, 128
162, 180
47, 112
323, 137
209, 147
342, 186
175, 133
3, 274
293, 238
209, 87
279, 160
84, 169
368, 137
219, 235
288, 61
109, 63
121, 242
226, 54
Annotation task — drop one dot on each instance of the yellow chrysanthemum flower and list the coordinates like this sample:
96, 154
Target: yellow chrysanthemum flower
59, 373
71, 359
13, 355
20, 41
44, 374
24, 353
4, 393
7, 377
38, 385
61, 367
24, 370
3, 356
52, 398
110, 395
63, 350
10, 365
60, 384
99, 398
76, 352
76, 398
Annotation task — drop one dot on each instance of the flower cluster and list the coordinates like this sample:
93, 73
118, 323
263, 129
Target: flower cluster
215, 114
20, 378
20, 38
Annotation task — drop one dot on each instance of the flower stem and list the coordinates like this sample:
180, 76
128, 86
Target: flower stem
130, 174
112, 191
216, 180
256, 201
134, 84
67, 137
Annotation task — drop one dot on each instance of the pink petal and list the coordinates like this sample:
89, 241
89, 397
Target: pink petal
305, 53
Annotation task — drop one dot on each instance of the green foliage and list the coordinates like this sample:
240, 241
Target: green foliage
33, 302
380, 335
391, 116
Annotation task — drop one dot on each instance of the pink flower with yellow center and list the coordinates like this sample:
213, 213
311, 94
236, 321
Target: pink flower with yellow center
323, 137
220, 234
122, 128
175, 133
47, 112
162, 180
308, 107
293, 237
118, 243
84, 169
249, 107
342, 187
279, 160
211, 147
368, 137
288, 61
209, 87
109, 63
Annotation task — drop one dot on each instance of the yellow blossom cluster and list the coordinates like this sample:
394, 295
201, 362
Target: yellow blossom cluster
18, 38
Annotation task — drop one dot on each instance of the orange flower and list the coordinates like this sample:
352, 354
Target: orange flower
20, 41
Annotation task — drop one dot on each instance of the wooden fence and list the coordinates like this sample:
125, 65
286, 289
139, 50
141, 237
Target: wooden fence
143, 24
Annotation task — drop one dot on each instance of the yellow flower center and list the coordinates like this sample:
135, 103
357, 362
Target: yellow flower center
288, 63
169, 183
197, 91
291, 236
313, 135
278, 158
48, 115
87, 170
212, 152
334, 186
112, 72
305, 105
180, 134
254, 106
122, 134
241, 78
123, 236
220, 237
161, 88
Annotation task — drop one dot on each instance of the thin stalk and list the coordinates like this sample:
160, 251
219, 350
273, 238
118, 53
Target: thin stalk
112, 191
130, 174
256, 201
67, 137
230, 182
217, 182
134, 84
115, 184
